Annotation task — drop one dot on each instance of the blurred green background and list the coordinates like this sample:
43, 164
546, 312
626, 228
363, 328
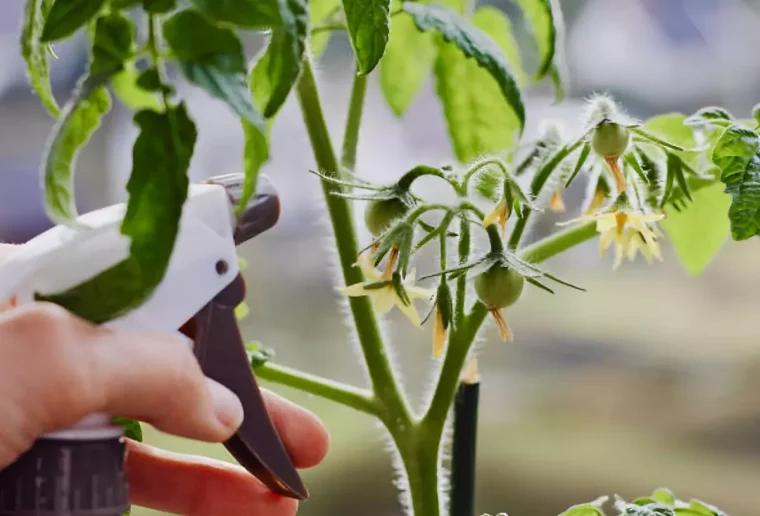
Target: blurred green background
651, 378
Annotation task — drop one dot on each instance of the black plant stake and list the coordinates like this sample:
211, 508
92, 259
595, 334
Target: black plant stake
465, 443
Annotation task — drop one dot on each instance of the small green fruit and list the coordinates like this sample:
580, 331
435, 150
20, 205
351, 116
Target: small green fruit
610, 139
379, 214
499, 287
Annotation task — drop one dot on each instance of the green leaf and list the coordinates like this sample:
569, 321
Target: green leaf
112, 43
699, 231
132, 428
319, 12
35, 54
406, 64
258, 355
149, 80
214, 62
242, 311
159, 6
80, 118
124, 4
479, 120
488, 51
126, 86
255, 155
540, 16
673, 128
67, 16
737, 154
710, 116
368, 24
587, 509
157, 191
243, 13
276, 72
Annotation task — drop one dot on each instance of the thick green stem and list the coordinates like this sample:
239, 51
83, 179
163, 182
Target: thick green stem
422, 470
358, 399
558, 243
354, 121
464, 255
384, 383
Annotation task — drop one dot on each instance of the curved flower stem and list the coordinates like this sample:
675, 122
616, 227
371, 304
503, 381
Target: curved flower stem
358, 399
481, 165
354, 120
384, 383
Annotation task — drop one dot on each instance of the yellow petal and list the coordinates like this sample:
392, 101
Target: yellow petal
504, 331
418, 292
556, 203
491, 217
384, 300
605, 240
408, 310
439, 335
369, 270
654, 248
355, 290
619, 252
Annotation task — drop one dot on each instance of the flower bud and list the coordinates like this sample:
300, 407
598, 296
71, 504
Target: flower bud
381, 213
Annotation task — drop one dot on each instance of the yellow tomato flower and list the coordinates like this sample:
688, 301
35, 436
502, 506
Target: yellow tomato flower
385, 297
630, 231
501, 214
439, 335
556, 203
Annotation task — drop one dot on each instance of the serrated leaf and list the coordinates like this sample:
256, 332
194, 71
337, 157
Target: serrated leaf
127, 89
214, 62
473, 43
540, 15
35, 54
132, 428
478, 118
157, 190
68, 16
737, 154
276, 72
319, 11
710, 115
112, 43
243, 13
368, 23
80, 118
407, 62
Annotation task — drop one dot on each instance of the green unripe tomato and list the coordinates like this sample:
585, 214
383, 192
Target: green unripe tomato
499, 287
379, 214
610, 139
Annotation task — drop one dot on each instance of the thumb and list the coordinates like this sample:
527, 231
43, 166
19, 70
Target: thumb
56, 369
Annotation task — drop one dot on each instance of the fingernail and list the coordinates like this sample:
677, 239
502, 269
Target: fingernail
227, 406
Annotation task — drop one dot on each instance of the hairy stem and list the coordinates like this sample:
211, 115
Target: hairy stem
358, 399
558, 243
354, 120
384, 383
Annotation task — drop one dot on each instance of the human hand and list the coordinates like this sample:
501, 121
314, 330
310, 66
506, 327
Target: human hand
56, 368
